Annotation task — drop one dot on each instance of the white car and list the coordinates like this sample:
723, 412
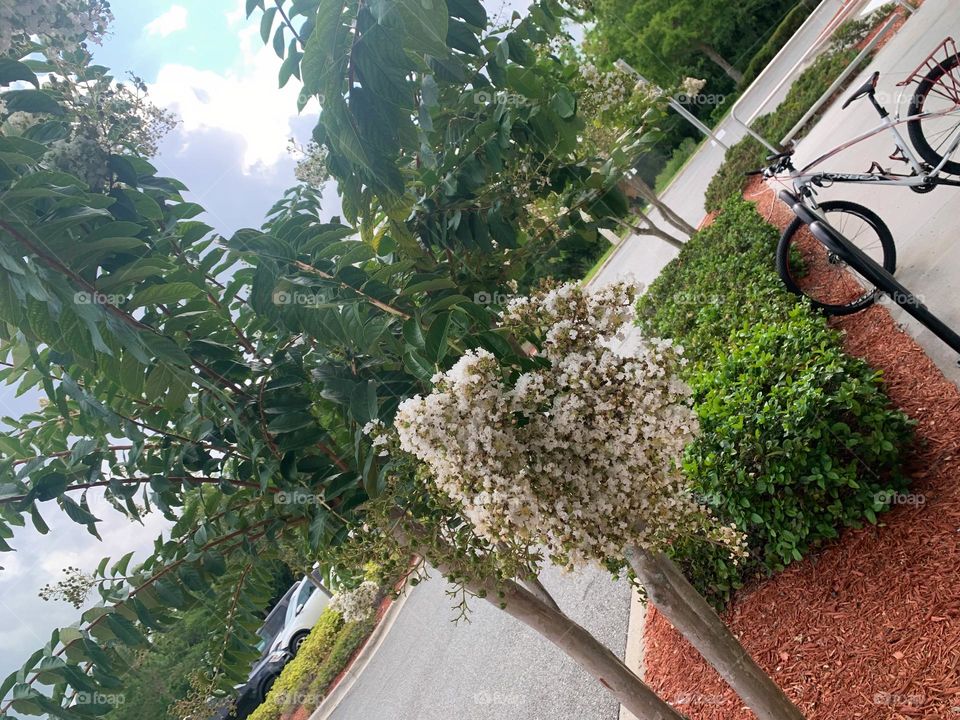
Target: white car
307, 602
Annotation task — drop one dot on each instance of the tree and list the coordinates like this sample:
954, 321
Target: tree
227, 383
668, 39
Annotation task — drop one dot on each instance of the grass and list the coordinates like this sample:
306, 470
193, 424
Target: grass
599, 263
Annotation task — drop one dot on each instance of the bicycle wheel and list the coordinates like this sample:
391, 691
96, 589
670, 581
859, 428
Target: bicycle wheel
807, 268
939, 92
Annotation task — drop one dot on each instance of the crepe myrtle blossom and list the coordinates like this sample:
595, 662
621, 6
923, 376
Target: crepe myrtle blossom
582, 455
64, 23
357, 604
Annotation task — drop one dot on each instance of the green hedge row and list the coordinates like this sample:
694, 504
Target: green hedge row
320, 659
797, 438
748, 154
784, 31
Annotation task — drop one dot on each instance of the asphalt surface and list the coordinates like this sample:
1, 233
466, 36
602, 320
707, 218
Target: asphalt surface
430, 668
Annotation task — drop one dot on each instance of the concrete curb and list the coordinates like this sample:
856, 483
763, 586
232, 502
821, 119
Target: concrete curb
633, 652
379, 634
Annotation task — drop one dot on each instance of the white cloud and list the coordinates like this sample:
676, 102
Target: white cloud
170, 22
244, 101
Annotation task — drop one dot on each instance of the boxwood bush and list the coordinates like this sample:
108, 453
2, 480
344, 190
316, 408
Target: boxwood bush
797, 438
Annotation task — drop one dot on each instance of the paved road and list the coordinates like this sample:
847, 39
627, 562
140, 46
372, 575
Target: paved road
429, 668
644, 257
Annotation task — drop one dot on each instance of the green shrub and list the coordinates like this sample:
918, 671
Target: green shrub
680, 155
348, 640
748, 153
299, 672
784, 31
797, 438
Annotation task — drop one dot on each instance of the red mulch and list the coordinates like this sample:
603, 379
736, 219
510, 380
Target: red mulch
868, 627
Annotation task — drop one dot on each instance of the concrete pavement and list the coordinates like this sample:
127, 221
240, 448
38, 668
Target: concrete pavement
924, 227
429, 668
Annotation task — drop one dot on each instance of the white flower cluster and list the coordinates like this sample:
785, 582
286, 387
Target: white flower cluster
311, 167
357, 604
692, 86
64, 23
604, 90
82, 156
580, 456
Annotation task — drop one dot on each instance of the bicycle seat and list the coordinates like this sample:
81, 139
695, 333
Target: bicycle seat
868, 88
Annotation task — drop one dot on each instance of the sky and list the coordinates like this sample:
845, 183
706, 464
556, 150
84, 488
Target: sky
203, 60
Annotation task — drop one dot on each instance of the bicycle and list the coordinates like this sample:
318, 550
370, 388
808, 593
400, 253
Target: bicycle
848, 253
933, 126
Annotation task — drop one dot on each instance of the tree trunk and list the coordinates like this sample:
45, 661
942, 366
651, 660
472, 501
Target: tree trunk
670, 592
592, 655
648, 194
584, 648
653, 230
717, 58
536, 588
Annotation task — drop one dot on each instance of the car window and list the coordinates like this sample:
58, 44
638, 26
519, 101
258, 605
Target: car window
305, 592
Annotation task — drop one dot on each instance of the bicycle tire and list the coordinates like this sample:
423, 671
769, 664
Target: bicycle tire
915, 127
888, 248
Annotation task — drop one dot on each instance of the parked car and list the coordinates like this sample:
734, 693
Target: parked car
307, 602
251, 694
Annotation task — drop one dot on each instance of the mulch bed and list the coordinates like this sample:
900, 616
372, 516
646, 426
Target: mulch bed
869, 626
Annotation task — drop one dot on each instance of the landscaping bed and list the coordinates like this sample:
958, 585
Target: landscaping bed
867, 626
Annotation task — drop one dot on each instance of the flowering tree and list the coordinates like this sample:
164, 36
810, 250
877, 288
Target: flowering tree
226, 383
580, 456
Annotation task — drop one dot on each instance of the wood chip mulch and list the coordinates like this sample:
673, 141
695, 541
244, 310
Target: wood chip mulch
869, 626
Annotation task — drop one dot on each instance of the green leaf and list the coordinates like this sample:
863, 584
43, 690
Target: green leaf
253, 5
125, 630
164, 294
423, 22
266, 23
12, 70
32, 101
288, 422
564, 103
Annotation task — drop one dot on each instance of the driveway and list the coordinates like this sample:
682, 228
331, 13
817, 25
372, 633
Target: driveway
430, 668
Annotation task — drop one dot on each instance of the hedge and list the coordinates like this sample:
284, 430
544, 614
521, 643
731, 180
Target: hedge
748, 153
797, 438
321, 658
